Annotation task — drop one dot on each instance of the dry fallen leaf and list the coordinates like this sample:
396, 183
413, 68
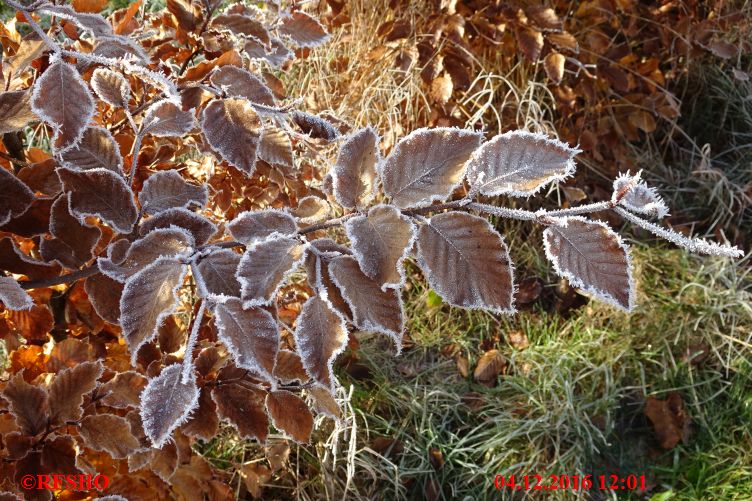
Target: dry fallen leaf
670, 420
489, 366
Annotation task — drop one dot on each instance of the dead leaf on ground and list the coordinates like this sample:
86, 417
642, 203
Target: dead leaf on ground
670, 420
490, 365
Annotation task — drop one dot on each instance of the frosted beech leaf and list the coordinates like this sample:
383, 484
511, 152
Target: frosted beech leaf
73, 242
123, 390
238, 82
290, 414
381, 241
217, 273
13, 296
197, 225
111, 87
148, 298
15, 110
116, 47
68, 389
167, 189
354, 174
97, 148
277, 55
243, 408
275, 147
289, 368
251, 336
321, 252
167, 119
373, 309
427, 165
118, 249
639, 197
62, 99
519, 163
104, 294
242, 25
314, 126
94, 23
28, 404
109, 433
592, 257
311, 209
166, 403
466, 262
253, 226
320, 336
15, 261
204, 422
233, 129
264, 267
304, 30
41, 177
101, 193
324, 402
15, 196
168, 242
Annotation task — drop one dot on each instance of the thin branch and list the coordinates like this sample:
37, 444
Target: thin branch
62, 279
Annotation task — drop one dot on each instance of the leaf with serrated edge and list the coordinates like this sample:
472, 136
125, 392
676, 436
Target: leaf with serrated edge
243, 408
316, 127
104, 295
94, 23
148, 298
321, 335
168, 242
100, 193
381, 241
253, 226
354, 174
592, 257
167, 189
111, 87
289, 368
519, 163
97, 148
13, 296
216, 275
276, 56
640, 198
242, 25
467, 262
200, 228
68, 389
233, 129
15, 196
239, 82
427, 165
304, 30
62, 99
166, 403
373, 308
251, 336
264, 267
275, 147
28, 404
15, 110
167, 119
109, 433
123, 390
290, 414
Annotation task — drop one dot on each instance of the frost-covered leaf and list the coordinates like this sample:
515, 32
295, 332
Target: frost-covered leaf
15, 110
28, 404
233, 129
204, 422
242, 25
320, 336
381, 241
73, 242
354, 174
289, 368
109, 433
324, 402
303, 29
123, 390
277, 55
373, 308
639, 197
111, 87
167, 242
239, 82
311, 210
314, 126
167, 119
427, 165
253, 226
592, 257
250, 335
243, 408
148, 298
15, 196
102, 193
318, 256
96, 149
217, 273
68, 389
466, 262
12, 296
94, 23
275, 147
197, 225
519, 163
117, 47
104, 294
290, 414
166, 403
264, 267
62, 99
15, 261
167, 189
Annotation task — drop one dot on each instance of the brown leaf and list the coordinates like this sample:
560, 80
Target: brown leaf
324, 402
354, 174
217, 272
166, 403
12, 296
199, 227
254, 476
167, 118
303, 29
489, 367
169, 242
59, 455
254, 226
28, 404
15, 111
317, 269
264, 267
188, 15
108, 433
233, 129
242, 25
530, 42
276, 56
33, 324
243, 408
436, 458
670, 420
101, 193
290, 414
89, 5
643, 120
15, 196
289, 368
167, 189
724, 50
69, 352
554, 65
564, 41
528, 290
311, 210
111, 87
73, 242
275, 147
123, 390
238, 82
66, 393
41, 176
441, 89
320, 336
97, 148
104, 294
467, 262
204, 421
314, 126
